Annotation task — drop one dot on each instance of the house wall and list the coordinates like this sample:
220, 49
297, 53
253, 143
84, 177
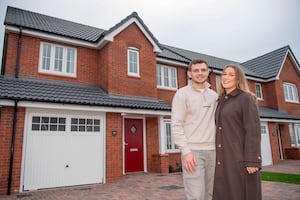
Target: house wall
274, 142
285, 137
87, 61
119, 82
290, 75
6, 127
114, 154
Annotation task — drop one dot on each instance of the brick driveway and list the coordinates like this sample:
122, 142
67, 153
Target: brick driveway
154, 186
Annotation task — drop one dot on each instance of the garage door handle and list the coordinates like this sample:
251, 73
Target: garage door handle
67, 166
125, 143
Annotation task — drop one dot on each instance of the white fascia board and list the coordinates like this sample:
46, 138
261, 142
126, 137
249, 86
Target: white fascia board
279, 120
52, 37
166, 61
110, 36
85, 108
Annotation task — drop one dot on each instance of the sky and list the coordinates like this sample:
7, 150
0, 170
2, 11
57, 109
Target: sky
237, 30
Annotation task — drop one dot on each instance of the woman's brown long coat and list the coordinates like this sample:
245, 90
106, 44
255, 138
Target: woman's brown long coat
237, 146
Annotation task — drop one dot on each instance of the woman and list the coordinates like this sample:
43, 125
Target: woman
238, 156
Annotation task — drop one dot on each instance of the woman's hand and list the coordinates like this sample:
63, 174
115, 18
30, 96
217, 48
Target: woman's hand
252, 170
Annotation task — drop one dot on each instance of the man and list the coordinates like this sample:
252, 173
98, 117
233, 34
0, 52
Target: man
193, 129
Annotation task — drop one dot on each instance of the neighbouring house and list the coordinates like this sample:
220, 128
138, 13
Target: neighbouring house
82, 105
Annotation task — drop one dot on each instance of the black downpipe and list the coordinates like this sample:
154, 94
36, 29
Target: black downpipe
18, 53
4, 54
12, 148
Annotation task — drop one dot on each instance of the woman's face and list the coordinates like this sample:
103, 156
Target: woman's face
229, 79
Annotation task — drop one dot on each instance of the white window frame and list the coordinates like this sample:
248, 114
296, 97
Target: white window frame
294, 130
169, 138
290, 92
171, 78
64, 60
258, 91
130, 62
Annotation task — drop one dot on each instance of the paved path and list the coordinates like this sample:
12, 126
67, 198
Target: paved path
154, 186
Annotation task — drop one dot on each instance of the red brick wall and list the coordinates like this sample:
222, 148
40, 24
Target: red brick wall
285, 137
6, 124
175, 160
274, 142
114, 156
289, 75
119, 82
152, 141
87, 61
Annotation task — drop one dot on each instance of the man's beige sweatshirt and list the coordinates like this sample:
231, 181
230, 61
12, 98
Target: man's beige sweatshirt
193, 118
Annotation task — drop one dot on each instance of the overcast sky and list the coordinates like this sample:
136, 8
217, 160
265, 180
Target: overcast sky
237, 30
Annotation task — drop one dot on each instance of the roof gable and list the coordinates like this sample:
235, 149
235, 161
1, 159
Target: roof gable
269, 65
133, 18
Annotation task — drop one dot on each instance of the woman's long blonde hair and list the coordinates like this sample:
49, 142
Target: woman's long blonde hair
241, 80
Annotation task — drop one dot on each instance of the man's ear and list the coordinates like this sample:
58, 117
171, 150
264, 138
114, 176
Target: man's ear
189, 74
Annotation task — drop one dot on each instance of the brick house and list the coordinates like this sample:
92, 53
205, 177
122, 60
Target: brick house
82, 105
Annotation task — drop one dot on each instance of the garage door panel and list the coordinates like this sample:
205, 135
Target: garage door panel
56, 158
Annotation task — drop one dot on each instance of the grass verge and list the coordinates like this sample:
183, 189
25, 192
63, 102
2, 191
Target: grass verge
281, 177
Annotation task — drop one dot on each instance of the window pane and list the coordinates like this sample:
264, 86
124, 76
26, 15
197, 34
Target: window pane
46, 57
166, 77
35, 127
58, 59
258, 90
62, 127
158, 75
70, 60
133, 62
173, 78
36, 119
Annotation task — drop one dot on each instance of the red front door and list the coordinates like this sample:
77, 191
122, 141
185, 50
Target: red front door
134, 161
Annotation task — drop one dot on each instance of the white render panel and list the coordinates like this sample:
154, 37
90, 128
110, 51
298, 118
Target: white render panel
63, 158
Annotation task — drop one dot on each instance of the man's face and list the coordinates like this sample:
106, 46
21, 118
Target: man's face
199, 73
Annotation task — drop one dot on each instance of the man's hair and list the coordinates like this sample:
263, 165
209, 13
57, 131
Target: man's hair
196, 61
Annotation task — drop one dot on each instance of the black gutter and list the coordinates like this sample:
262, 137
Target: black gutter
18, 54
4, 54
11, 162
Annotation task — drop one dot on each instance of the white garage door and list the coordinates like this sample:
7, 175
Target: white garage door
265, 145
63, 149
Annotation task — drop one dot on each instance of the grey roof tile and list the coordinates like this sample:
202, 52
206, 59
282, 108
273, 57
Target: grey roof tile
171, 55
36, 21
268, 65
213, 62
268, 112
29, 89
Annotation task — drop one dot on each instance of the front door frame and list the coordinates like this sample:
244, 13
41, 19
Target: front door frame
144, 140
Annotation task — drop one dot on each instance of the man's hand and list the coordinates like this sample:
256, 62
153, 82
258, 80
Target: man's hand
189, 162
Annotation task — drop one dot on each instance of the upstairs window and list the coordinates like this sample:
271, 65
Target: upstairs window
290, 92
166, 77
56, 59
258, 91
133, 62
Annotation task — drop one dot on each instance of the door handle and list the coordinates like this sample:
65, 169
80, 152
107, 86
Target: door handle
125, 143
